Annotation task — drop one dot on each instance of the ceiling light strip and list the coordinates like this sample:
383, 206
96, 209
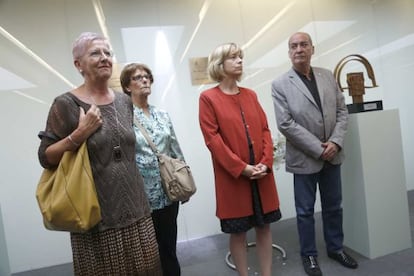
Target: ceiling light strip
29, 97
268, 25
168, 87
253, 74
100, 16
201, 16
33, 55
338, 47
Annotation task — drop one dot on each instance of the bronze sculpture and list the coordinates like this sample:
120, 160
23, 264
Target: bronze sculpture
356, 84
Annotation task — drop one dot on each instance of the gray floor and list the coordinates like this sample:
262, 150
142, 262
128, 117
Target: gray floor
205, 257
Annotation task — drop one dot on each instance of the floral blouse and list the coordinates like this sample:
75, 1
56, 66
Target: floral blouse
159, 127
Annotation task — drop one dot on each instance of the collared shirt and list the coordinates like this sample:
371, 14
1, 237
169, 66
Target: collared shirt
159, 127
312, 87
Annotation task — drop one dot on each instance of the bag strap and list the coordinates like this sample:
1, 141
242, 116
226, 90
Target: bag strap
145, 133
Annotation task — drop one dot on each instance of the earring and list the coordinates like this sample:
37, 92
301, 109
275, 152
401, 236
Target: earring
80, 71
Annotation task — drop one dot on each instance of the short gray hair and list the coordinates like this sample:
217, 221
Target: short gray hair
82, 42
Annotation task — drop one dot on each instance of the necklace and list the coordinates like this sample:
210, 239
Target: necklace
117, 151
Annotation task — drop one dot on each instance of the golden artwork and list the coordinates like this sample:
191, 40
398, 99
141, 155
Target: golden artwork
355, 80
356, 84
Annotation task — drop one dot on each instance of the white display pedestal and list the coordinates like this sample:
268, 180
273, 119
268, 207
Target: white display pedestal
4, 257
376, 218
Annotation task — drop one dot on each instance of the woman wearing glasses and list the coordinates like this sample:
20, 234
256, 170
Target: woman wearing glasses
124, 242
136, 80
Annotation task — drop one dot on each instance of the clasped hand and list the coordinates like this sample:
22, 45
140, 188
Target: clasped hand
90, 121
331, 149
255, 171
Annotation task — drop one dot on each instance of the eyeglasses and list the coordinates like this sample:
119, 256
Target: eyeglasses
101, 53
141, 77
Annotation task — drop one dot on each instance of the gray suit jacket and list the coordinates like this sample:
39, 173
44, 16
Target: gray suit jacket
300, 121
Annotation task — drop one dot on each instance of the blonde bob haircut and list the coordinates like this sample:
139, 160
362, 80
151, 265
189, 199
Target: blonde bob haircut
216, 59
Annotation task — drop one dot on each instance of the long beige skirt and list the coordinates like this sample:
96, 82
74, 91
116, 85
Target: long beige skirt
132, 250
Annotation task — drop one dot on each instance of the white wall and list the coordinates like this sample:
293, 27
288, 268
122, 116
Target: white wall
4, 254
381, 30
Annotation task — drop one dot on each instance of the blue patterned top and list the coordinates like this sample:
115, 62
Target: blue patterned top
160, 129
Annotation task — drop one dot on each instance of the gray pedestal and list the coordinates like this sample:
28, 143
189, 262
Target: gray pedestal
376, 218
4, 257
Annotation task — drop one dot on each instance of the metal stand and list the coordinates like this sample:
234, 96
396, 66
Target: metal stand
251, 244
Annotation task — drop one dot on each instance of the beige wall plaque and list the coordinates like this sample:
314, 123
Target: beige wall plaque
198, 71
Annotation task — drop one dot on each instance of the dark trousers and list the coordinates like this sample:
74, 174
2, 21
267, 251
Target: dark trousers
165, 224
329, 180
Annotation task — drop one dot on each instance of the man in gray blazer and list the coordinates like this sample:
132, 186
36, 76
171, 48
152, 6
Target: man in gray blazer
312, 115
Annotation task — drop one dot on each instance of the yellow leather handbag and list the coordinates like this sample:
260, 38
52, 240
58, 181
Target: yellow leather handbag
67, 196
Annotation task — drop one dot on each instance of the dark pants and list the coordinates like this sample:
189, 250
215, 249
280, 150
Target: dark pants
329, 180
165, 224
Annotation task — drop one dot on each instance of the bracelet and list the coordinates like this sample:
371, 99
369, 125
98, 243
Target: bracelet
73, 142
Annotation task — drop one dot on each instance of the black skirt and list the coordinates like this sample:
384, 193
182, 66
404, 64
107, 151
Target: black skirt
258, 219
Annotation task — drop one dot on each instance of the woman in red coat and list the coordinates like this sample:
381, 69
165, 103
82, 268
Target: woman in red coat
236, 132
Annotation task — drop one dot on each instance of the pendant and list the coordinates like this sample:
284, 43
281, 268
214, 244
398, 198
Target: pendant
117, 153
